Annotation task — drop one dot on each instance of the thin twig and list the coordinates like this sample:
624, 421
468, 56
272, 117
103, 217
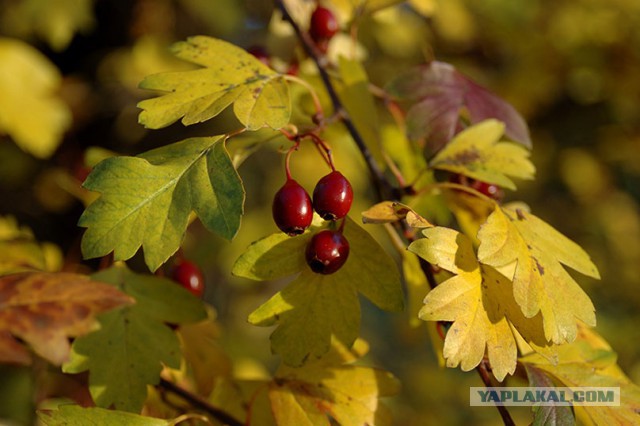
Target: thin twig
199, 403
483, 370
383, 188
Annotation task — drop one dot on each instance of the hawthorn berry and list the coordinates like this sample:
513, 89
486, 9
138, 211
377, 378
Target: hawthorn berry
488, 189
292, 209
260, 53
323, 24
189, 276
332, 196
327, 251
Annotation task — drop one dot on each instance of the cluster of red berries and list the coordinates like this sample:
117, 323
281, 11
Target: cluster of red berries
293, 212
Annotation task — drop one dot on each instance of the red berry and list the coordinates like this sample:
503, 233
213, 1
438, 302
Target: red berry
332, 196
488, 189
260, 53
189, 276
323, 24
327, 252
292, 209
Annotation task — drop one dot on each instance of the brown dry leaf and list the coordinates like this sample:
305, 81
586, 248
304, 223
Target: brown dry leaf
45, 309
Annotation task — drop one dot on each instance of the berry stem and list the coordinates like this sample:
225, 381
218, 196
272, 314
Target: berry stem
383, 187
319, 117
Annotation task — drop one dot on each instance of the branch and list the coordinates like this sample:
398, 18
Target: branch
384, 188
199, 403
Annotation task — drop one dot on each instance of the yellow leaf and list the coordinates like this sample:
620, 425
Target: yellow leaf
531, 254
478, 301
589, 361
478, 152
19, 251
29, 110
259, 95
392, 211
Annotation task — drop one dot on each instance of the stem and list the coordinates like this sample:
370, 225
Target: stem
199, 403
385, 190
483, 370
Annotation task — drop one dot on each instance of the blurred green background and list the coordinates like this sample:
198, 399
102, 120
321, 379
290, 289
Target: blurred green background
571, 67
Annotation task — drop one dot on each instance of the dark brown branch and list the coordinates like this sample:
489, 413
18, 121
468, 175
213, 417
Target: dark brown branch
385, 190
199, 403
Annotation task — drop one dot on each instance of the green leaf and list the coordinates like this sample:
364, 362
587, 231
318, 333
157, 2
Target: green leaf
128, 351
259, 95
272, 257
74, 415
358, 101
146, 200
530, 253
548, 415
314, 307
477, 152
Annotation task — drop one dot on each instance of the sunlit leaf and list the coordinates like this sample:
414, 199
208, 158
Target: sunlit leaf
146, 200
19, 250
347, 393
45, 309
128, 351
74, 415
478, 153
439, 92
259, 95
30, 112
479, 303
313, 307
392, 211
357, 99
531, 253
587, 362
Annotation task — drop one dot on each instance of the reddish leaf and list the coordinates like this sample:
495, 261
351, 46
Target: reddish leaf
439, 92
45, 309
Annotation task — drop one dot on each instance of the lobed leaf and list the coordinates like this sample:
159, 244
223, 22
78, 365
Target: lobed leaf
555, 415
45, 309
477, 152
146, 200
331, 388
479, 303
74, 415
259, 95
315, 307
129, 350
439, 92
589, 362
531, 254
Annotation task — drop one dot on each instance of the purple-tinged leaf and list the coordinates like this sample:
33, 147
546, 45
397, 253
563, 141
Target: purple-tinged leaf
438, 93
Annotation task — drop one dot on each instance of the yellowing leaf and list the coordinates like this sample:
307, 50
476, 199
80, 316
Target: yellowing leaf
531, 253
347, 393
315, 307
74, 415
259, 95
29, 110
479, 153
129, 350
479, 302
146, 200
392, 211
45, 309
19, 251
587, 362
